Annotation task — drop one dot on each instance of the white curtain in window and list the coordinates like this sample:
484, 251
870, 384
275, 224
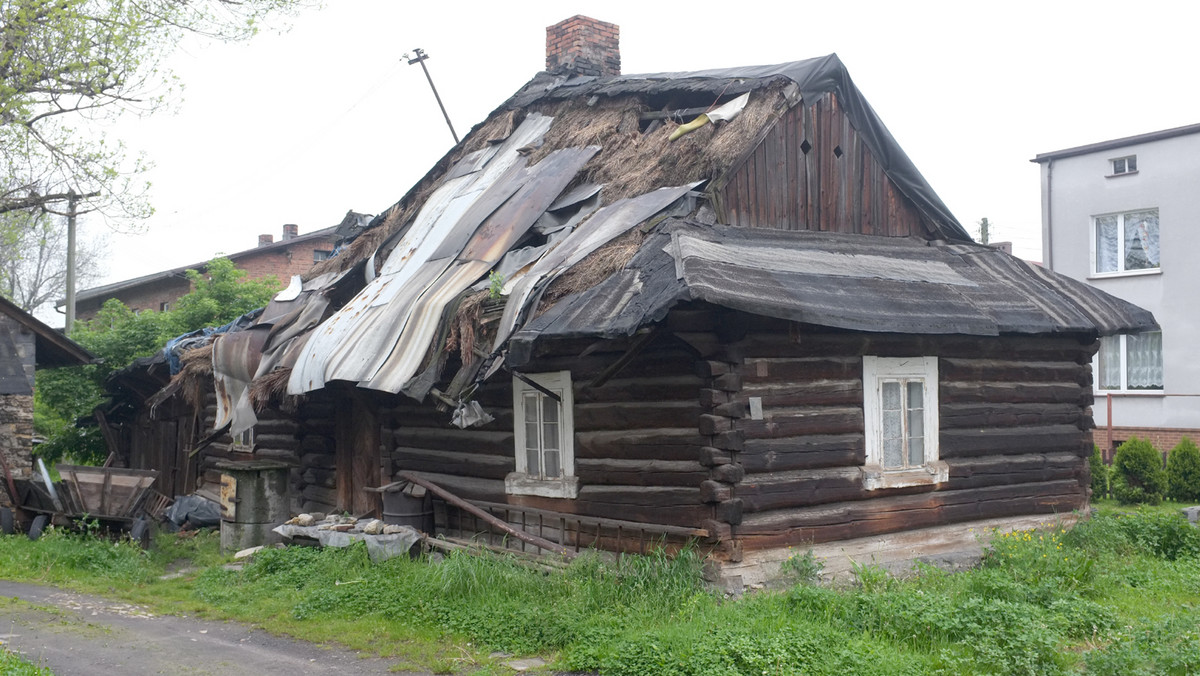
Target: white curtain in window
1110, 363
1144, 367
1141, 240
1106, 243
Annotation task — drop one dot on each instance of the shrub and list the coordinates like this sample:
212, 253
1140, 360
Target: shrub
1138, 475
1183, 471
1100, 474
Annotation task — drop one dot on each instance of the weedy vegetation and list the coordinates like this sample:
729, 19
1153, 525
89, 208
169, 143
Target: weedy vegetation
1117, 594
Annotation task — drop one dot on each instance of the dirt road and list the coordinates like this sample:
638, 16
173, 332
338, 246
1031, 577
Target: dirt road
73, 634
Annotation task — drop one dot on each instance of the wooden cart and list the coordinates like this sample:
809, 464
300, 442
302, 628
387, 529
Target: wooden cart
118, 498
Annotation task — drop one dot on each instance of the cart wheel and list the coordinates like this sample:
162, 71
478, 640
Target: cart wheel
140, 533
6, 521
39, 524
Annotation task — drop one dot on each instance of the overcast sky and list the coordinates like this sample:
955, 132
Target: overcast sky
299, 126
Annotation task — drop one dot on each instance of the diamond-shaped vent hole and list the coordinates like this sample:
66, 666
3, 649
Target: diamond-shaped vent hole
805, 147
837, 151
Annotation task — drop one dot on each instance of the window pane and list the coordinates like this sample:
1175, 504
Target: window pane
533, 462
1109, 377
549, 410
1106, 244
552, 467
1144, 369
891, 396
893, 453
531, 407
1119, 166
1141, 240
1131, 163
550, 436
916, 451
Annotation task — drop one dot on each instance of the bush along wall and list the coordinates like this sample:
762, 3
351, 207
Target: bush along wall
1137, 473
1183, 471
1100, 474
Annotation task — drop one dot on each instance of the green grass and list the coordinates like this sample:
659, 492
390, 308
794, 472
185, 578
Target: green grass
12, 664
1118, 594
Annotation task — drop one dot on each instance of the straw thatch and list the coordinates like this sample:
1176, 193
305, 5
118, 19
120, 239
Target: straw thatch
271, 389
194, 375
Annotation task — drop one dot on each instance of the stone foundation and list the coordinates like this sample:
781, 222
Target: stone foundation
16, 436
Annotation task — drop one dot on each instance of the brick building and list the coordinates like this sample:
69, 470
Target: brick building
293, 254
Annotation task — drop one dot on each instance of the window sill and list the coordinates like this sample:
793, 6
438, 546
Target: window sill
517, 483
1124, 173
875, 477
1132, 393
1126, 273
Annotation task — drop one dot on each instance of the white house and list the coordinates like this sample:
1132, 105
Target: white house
1121, 215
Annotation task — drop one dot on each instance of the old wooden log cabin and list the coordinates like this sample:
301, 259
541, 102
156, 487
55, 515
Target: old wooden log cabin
721, 305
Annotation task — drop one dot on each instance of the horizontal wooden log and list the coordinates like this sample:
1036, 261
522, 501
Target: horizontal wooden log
281, 441
849, 344
316, 443
902, 512
953, 369
651, 505
469, 488
711, 369
705, 343
683, 387
807, 452
709, 425
733, 440
734, 409
649, 363
277, 454
636, 415
280, 426
1003, 470
797, 422
710, 398
489, 442
781, 490
430, 417
966, 443
758, 371
319, 460
481, 465
714, 491
729, 382
711, 457
316, 493
610, 471
730, 511
729, 473
814, 393
686, 319
634, 444
325, 478
1010, 393
956, 416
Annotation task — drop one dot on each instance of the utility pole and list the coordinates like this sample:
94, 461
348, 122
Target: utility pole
420, 58
72, 200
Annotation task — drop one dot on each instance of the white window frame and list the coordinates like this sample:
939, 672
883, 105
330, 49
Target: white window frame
1121, 271
1123, 355
1123, 162
243, 442
522, 481
876, 371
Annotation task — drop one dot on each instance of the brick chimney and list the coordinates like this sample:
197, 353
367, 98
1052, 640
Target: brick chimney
290, 230
583, 46
264, 240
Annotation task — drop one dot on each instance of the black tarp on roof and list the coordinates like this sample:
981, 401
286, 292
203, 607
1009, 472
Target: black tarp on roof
814, 77
854, 282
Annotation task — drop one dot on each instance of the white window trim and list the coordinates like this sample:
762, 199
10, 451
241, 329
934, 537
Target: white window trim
1123, 351
520, 482
875, 371
1094, 273
1112, 166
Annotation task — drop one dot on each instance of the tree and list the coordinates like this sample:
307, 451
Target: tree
33, 259
1138, 475
118, 336
68, 62
1183, 471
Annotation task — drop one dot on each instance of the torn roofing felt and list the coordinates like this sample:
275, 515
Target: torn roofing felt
853, 282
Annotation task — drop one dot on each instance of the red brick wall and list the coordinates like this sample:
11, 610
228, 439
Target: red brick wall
282, 262
1164, 439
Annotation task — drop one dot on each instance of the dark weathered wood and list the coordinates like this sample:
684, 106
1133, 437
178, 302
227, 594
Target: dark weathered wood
613, 471
952, 416
711, 457
714, 491
728, 473
802, 422
712, 369
665, 388
468, 464
277, 441
734, 440
635, 444
729, 382
491, 442
713, 424
636, 415
968, 443
730, 511
807, 452
813, 393
1012, 393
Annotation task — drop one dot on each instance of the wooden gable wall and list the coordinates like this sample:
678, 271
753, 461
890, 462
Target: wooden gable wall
837, 185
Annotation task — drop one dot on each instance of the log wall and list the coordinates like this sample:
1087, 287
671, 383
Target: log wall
1014, 416
835, 185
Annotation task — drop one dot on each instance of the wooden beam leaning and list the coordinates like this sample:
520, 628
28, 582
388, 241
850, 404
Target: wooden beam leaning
453, 499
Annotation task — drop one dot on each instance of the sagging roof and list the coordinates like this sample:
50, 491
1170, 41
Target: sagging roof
562, 190
853, 282
1117, 143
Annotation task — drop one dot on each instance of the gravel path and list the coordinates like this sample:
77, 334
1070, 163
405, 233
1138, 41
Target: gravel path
73, 634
